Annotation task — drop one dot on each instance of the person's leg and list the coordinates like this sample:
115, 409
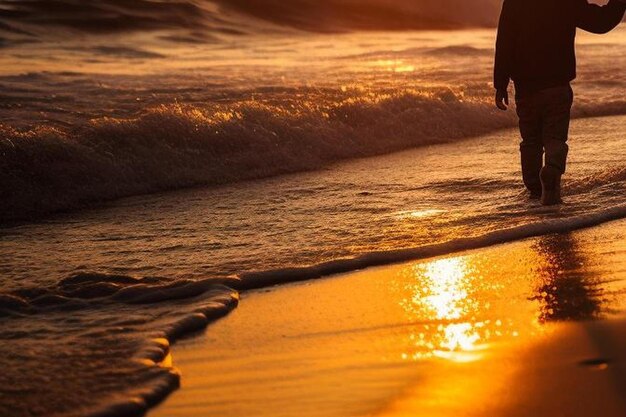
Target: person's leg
556, 104
531, 147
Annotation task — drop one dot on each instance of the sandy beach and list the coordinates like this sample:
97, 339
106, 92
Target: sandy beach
528, 328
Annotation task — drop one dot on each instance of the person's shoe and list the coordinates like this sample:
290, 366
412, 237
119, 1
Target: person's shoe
550, 186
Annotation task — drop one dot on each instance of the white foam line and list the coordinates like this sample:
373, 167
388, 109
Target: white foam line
225, 301
252, 280
138, 401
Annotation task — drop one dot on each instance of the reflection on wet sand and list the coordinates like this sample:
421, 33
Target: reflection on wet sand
441, 294
454, 293
486, 313
566, 290
460, 335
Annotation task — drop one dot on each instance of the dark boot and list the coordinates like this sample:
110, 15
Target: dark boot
550, 186
532, 160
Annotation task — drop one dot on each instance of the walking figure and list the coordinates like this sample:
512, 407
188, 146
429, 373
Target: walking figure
535, 48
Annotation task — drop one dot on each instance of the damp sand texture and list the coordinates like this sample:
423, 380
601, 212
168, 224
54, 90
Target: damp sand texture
528, 328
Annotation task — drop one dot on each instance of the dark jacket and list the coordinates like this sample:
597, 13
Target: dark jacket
535, 46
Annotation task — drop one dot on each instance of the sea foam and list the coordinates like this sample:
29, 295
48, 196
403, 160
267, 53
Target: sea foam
48, 169
98, 345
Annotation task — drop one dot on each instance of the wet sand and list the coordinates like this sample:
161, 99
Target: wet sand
528, 328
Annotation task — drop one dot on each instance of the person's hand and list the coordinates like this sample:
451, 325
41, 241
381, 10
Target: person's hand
502, 99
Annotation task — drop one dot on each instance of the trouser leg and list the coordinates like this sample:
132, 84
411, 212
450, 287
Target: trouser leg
531, 147
557, 104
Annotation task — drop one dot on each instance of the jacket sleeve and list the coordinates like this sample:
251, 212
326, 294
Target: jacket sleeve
505, 47
598, 19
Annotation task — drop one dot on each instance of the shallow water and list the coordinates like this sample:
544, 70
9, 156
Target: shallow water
414, 198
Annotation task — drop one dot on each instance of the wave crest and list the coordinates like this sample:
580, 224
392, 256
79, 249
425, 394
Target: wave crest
47, 169
207, 21
204, 18
333, 15
89, 290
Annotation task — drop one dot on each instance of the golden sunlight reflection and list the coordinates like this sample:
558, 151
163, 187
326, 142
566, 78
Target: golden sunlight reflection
463, 309
393, 65
482, 314
444, 291
454, 300
418, 214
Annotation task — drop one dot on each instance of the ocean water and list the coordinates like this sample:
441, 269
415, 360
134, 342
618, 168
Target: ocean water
87, 117
292, 117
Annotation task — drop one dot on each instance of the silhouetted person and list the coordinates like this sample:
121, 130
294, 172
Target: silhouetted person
535, 49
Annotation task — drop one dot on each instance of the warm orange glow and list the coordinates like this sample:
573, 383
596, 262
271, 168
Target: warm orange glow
442, 294
443, 290
485, 327
447, 336
418, 214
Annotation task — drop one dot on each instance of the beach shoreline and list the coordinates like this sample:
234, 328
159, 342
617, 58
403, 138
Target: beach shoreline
154, 257
560, 344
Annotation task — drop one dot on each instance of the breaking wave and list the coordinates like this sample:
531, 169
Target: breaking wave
47, 169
